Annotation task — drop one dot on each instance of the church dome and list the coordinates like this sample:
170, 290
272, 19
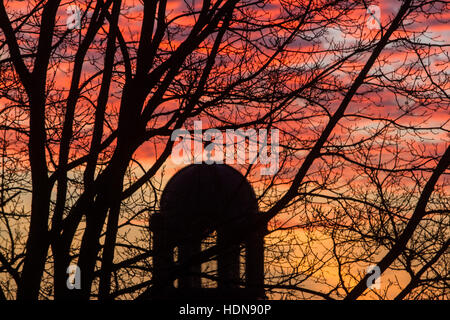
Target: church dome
205, 197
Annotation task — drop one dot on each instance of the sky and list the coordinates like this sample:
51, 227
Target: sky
381, 103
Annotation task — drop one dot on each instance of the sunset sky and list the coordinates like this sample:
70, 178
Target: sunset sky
354, 199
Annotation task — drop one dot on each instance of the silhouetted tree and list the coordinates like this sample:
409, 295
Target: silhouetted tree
87, 114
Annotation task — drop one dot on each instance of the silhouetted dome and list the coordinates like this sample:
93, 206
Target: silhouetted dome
201, 198
198, 200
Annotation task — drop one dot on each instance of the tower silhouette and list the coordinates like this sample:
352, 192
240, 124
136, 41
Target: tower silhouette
217, 203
